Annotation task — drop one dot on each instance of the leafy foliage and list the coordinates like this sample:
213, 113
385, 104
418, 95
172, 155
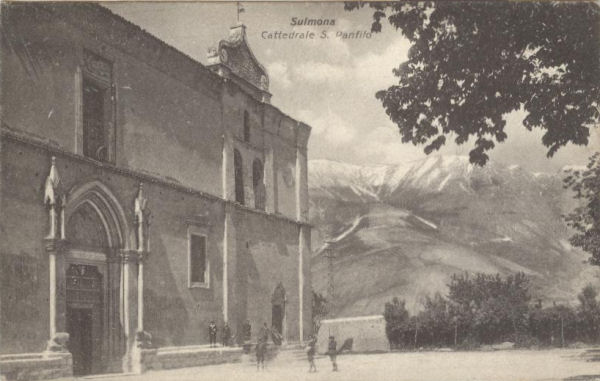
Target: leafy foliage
489, 309
435, 322
589, 313
555, 326
396, 317
473, 62
585, 219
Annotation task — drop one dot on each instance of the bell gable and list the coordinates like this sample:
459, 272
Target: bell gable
233, 58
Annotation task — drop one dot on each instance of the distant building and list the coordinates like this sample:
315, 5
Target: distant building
143, 194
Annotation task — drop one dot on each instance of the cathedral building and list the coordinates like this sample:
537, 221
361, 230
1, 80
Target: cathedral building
142, 196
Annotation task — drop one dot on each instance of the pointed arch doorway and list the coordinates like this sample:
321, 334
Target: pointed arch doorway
95, 231
278, 301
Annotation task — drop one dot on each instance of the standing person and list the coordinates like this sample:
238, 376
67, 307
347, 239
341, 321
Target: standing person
332, 351
212, 333
310, 352
261, 346
247, 331
226, 334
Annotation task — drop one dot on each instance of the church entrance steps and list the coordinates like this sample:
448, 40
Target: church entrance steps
188, 356
106, 375
294, 352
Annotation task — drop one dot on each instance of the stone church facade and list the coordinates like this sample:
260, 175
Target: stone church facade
142, 195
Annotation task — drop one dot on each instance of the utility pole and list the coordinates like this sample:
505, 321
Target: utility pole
562, 330
416, 331
330, 255
455, 331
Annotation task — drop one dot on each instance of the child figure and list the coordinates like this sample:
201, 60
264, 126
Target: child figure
261, 346
310, 352
212, 334
332, 351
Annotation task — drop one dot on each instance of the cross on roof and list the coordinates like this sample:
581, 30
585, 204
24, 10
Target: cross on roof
240, 9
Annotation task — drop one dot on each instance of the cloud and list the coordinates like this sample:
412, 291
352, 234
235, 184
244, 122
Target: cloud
278, 73
319, 72
372, 70
375, 70
383, 145
333, 50
329, 127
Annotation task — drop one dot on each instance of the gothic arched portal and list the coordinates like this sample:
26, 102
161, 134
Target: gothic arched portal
96, 230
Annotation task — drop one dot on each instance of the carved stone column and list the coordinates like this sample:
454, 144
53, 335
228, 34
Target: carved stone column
57, 295
228, 259
142, 223
129, 309
142, 219
54, 244
142, 338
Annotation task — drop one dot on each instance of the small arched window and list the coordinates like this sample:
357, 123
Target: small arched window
239, 176
258, 184
246, 126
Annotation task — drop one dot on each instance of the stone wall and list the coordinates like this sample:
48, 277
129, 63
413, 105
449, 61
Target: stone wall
170, 116
164, 102
367, 333
266, 249
267, 257
36, 366
154, 110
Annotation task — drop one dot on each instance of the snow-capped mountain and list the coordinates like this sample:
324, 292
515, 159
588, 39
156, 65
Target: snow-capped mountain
402, 230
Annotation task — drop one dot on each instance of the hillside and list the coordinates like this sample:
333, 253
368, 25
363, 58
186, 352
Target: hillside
403, 230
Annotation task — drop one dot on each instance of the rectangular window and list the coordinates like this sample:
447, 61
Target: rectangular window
198, 262
97, 108
94, 131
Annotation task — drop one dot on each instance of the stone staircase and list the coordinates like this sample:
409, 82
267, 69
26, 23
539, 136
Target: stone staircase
285, 353
294, 352
592, 354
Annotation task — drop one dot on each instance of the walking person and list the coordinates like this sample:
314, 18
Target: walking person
332, 352
310, 352
261, 347
226, 335
212, 334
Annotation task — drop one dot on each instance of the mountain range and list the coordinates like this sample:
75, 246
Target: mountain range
403, 230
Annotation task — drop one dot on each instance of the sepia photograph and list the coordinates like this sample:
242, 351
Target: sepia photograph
300, 190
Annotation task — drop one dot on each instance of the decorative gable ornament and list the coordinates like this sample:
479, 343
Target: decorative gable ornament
233, 59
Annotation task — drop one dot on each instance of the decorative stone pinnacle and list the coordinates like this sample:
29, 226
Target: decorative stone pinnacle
52, 183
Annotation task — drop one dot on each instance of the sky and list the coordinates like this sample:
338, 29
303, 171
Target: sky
330, 83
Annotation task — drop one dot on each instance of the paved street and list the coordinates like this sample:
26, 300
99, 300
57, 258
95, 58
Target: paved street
431, 366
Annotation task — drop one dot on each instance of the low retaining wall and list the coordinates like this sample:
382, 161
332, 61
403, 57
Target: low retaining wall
250, 352
42, 366
188, 356
366, 332
36, 366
